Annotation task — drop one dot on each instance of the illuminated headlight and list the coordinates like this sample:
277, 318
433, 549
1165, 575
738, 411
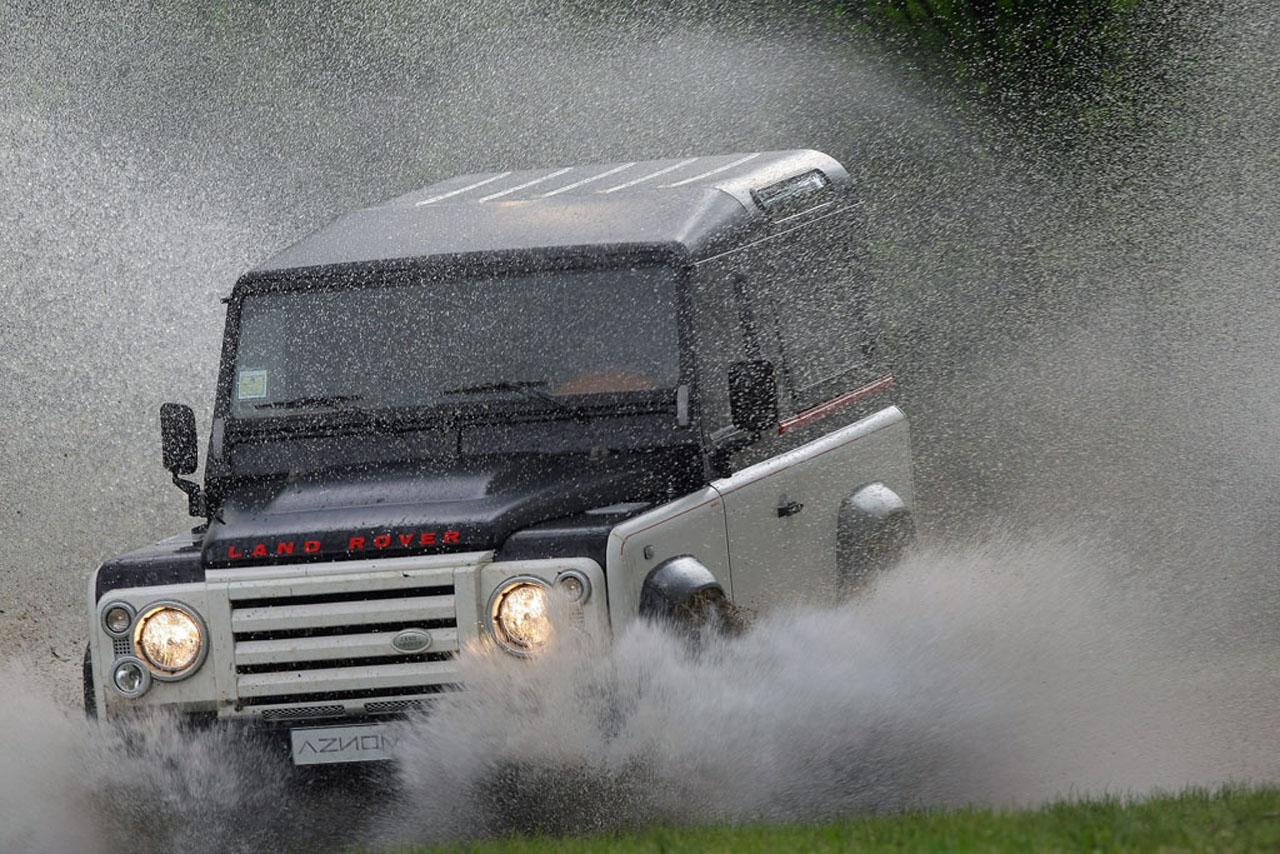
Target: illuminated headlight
519, 615
170, 639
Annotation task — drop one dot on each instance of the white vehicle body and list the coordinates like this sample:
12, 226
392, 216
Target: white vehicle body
732, 527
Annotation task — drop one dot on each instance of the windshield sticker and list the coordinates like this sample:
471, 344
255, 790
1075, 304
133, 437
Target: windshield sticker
251, 385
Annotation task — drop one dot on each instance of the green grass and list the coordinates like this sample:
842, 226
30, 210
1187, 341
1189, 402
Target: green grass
1227, 820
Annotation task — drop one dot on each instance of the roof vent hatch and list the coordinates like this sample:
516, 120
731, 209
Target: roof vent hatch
793, 194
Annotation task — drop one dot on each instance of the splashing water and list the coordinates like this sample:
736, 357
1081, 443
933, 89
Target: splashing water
997, 674
1085, 348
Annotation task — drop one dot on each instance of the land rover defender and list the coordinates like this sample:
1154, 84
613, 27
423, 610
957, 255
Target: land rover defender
646, 389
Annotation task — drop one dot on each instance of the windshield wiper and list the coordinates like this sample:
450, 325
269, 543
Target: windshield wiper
334, 401
533, 389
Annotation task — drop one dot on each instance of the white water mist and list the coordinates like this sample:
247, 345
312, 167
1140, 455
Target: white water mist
1003, 674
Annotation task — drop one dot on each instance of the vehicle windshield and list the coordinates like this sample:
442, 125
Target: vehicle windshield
429, 342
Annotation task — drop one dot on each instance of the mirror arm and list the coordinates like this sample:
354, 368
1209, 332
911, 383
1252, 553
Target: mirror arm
196, 505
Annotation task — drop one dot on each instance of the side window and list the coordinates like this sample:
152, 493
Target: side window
820, 298
798, 299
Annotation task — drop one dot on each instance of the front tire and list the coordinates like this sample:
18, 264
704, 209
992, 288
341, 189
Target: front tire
90, 698
682, 592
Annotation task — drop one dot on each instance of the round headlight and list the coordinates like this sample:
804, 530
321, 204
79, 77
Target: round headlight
520, 616
131, 678
170, 639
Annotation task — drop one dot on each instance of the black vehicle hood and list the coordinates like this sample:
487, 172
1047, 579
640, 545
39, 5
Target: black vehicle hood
390, 511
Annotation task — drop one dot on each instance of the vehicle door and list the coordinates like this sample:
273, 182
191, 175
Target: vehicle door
808, 298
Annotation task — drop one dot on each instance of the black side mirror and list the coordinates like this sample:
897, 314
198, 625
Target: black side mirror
753, 396
178, 438
181, 455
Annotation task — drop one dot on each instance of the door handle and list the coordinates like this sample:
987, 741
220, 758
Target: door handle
788, 508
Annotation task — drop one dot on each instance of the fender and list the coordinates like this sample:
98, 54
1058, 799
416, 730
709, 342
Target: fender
875, 528
680, 590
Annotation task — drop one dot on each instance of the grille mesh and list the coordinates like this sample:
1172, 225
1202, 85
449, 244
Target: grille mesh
391, 706
304, 712
121, 647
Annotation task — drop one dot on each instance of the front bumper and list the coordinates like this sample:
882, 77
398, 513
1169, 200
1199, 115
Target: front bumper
311, 642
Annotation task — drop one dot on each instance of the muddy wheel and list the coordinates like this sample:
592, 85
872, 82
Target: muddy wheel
684, 594
90, 700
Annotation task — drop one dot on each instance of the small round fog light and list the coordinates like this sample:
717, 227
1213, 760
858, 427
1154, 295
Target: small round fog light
131, 678
117, 619
574, 585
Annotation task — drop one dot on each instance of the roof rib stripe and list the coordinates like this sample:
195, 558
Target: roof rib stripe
518, 187
641, 180
460, 190
576, 184
715, 171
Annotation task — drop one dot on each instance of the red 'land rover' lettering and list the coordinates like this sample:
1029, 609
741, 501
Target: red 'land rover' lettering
286, 548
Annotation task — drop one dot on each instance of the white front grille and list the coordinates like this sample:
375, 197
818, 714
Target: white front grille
311, 643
